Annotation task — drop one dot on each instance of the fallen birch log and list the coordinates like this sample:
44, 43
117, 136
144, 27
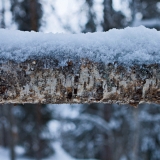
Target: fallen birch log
119, 66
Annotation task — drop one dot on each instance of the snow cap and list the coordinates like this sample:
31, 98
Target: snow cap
127, 46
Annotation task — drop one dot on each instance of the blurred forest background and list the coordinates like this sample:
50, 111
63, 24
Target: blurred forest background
94, 131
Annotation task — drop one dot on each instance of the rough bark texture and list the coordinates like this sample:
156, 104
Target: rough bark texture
44, 81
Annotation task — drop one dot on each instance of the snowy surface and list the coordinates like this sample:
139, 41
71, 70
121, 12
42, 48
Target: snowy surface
4, 154
60, 154
128, 46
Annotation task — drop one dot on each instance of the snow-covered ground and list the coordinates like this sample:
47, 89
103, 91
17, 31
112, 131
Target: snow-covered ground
4, 154
60, 154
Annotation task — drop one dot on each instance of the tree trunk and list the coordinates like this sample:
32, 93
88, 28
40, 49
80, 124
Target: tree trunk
38, 131
107, 15
2, 25
12, 132
33, 11
136, 134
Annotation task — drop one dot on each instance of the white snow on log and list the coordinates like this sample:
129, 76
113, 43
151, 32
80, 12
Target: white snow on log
126, 46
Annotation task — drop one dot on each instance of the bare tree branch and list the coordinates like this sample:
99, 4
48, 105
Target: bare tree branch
33, 82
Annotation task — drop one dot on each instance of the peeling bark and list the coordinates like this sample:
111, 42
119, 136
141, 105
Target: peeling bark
44, 81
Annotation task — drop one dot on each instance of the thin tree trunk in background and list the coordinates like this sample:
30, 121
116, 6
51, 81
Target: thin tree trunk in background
4, 136
136, 134
33, 12
3, 14
107, 15
12, 132
107, 154
4, 129
38, 127
133, 10
1, 126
